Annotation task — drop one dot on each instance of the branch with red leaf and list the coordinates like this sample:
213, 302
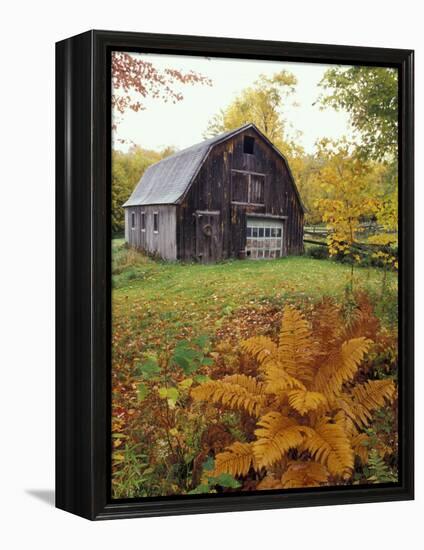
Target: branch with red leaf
134, 74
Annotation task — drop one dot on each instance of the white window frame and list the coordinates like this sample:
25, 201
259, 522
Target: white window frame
143, 217
133, 221
258, 252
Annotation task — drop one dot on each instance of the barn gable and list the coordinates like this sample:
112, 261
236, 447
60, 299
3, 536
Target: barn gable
167, 181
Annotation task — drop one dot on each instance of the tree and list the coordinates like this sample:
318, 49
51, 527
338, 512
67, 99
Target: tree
135, 78
127, 169
370, 96
262, 104
346, 196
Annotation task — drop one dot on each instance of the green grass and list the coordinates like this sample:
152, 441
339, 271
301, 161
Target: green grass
155, 303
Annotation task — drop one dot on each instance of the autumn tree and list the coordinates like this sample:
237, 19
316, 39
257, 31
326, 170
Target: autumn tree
346, 197
134, 78
127, 169
263, 104
370, 96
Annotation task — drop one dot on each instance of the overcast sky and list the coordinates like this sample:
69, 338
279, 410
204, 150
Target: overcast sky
181, 125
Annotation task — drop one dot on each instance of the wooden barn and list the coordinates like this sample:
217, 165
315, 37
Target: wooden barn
232, 196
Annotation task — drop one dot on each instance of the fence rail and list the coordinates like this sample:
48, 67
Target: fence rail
361, 247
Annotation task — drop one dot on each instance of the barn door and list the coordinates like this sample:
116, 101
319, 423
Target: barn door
208, 236
264, 238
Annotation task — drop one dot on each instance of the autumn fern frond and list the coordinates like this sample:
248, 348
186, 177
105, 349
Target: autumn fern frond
360, 444
341, 367
236, 459
261, 348
369, 397
296, 345
326, 324
236, 392
279, 381
304, 401
328, 444
304, 474
275, 436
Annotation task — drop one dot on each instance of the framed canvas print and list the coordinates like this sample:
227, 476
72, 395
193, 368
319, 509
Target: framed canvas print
234, 274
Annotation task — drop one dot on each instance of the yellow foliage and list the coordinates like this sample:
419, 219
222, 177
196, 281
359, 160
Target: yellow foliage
371, 396
305, 401
275, 436
261, 348
235, 460
329, 444
296, 345
304, 474
236, 392
360, 447
278, 380
269, 482
341, 366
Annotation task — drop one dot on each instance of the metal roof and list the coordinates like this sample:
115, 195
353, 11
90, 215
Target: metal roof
167, 181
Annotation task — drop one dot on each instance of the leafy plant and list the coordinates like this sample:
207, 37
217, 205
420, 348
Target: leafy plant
132, 472
310, 410
210, 482
378, 471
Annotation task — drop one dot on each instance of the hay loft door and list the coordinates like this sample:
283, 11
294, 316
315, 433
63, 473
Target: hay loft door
208, 236
264, 238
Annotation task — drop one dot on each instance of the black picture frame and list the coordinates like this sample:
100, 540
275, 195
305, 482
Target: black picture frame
83, 160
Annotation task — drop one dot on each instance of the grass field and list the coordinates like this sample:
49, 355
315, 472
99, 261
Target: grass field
156, 303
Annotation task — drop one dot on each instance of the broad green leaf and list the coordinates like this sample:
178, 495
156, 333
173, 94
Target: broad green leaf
202, 341
227, 480
173, 394
149, 369
182, 362
186, 383
163, 393
200, 490
201, 378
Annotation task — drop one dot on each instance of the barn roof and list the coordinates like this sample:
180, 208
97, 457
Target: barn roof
167, 181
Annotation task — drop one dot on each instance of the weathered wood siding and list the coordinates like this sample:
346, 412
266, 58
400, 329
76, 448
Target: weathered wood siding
218, 186
164, 241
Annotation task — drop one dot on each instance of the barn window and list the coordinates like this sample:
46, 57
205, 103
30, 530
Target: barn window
256, 189
156, 222
132, 220
143, 221
248, 145
248, 187
240, 185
